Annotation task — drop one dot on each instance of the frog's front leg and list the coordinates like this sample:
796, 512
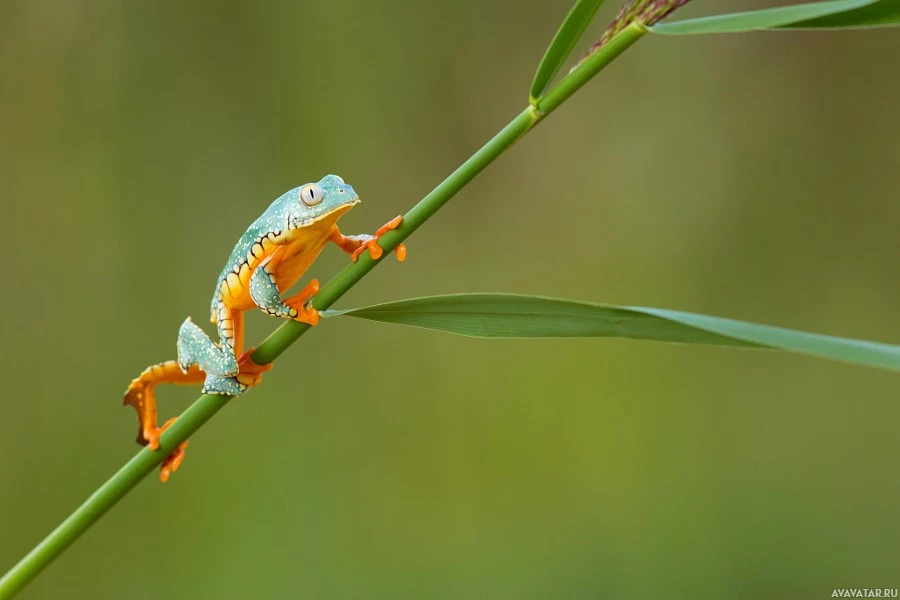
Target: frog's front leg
354, 245
265, 294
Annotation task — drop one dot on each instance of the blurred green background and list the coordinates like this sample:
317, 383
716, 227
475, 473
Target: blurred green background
748, 176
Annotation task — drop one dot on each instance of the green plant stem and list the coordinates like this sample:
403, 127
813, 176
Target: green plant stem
590, 66
207, 405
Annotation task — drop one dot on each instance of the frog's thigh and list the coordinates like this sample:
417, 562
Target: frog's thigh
230, 326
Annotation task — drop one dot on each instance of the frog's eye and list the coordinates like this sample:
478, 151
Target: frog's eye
311, 194
339, 179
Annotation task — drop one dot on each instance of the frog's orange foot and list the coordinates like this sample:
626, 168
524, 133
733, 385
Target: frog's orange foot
250, 373
151, 438
173, 460
375, 251
142, 397
299, 304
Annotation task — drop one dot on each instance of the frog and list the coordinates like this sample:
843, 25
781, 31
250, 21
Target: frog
273, 254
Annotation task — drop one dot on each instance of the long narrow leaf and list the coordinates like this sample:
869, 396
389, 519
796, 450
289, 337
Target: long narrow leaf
885, 13
562, 44
518, 316
816, 15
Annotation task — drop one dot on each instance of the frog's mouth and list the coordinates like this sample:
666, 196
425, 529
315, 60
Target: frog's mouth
328, 217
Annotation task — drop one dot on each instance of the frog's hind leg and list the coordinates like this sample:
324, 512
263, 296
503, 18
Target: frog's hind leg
142, 396
217, 362
199, 360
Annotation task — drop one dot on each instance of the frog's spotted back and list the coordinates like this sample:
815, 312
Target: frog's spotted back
293, 210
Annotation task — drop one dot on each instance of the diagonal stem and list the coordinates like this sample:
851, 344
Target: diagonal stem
144, 462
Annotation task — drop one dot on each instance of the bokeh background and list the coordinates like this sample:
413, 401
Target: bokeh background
749, 176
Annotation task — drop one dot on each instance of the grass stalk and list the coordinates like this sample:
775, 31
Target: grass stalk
196, 415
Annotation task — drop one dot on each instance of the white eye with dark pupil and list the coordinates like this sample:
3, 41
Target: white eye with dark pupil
311, 194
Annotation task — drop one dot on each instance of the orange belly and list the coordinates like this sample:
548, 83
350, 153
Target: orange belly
288, 261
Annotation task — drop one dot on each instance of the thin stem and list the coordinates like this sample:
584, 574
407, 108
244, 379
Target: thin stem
141, 465
290, 331
590, 66
207, 405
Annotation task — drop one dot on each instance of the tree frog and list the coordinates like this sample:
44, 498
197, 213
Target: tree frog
270, 257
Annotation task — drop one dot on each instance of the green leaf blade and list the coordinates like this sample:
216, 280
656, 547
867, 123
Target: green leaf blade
519, 316
862, 352
885, 13
561, 46
815, 15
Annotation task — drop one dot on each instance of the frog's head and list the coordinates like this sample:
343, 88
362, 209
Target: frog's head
326, 200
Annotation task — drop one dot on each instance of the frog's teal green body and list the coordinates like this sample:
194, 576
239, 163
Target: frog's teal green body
274, 252
247, 279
